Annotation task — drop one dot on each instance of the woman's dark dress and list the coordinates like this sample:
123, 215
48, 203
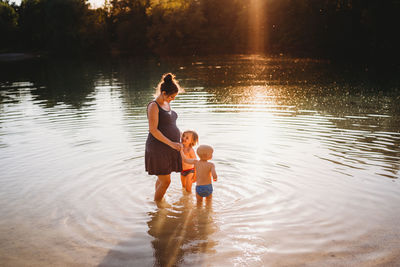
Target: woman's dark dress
161, 159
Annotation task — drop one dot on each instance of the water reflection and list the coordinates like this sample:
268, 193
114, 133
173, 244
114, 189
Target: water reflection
182, 233
52, 82
341, 109
301, 150
70, 83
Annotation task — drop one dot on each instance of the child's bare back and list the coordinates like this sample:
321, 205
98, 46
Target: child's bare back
204, 171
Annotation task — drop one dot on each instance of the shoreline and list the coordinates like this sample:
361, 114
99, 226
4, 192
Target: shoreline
11, 57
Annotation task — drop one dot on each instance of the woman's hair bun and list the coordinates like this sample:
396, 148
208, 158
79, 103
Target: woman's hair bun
168, 78
168, 84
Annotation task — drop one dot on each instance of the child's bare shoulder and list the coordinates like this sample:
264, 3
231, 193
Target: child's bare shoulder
210, 164
192, 153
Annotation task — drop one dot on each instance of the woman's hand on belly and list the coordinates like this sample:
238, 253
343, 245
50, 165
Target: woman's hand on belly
176, 146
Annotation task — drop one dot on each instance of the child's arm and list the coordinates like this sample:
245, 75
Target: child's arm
186, 160
192, 154
213, 172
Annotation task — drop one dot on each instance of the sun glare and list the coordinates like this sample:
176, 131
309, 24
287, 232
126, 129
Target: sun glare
96, 3
256, 29
93, 3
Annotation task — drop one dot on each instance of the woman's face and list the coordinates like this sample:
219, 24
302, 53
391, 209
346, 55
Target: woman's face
169, 98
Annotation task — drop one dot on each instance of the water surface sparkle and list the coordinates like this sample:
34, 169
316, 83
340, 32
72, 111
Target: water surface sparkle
308, 166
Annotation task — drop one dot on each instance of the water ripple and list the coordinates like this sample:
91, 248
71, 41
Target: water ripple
301, 173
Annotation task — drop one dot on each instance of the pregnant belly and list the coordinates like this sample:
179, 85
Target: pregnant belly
172, 133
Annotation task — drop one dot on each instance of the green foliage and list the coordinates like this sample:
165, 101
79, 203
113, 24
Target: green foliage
336, 29
222, 28
60, 26
8, 25
339, 29
128, 25
175, 26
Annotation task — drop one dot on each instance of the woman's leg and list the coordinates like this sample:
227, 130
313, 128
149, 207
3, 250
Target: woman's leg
189, 182
162, 185
157, 183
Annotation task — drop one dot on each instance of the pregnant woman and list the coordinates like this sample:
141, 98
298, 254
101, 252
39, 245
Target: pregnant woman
163, 142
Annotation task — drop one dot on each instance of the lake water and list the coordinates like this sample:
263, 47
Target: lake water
308, 157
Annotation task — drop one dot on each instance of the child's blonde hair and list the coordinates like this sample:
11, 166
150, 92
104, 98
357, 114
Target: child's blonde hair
195, 137
205, 152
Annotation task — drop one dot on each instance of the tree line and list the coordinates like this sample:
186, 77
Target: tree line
336, 29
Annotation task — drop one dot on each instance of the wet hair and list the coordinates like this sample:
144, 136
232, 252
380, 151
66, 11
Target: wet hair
205, 152
195, 137
168, 84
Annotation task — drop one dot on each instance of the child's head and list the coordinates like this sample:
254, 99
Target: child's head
190, 138
205, 152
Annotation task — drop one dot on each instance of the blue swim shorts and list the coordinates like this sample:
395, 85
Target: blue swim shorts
204, 190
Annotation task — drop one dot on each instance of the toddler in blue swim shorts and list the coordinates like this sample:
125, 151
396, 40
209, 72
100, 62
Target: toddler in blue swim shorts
204, 172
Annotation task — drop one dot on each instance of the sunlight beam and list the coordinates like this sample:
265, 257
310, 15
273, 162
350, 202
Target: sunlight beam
256, 30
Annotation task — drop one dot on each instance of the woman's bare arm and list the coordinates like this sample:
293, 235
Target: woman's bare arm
152, 115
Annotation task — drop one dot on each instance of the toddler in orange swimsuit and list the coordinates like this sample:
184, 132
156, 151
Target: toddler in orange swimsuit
188, 177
